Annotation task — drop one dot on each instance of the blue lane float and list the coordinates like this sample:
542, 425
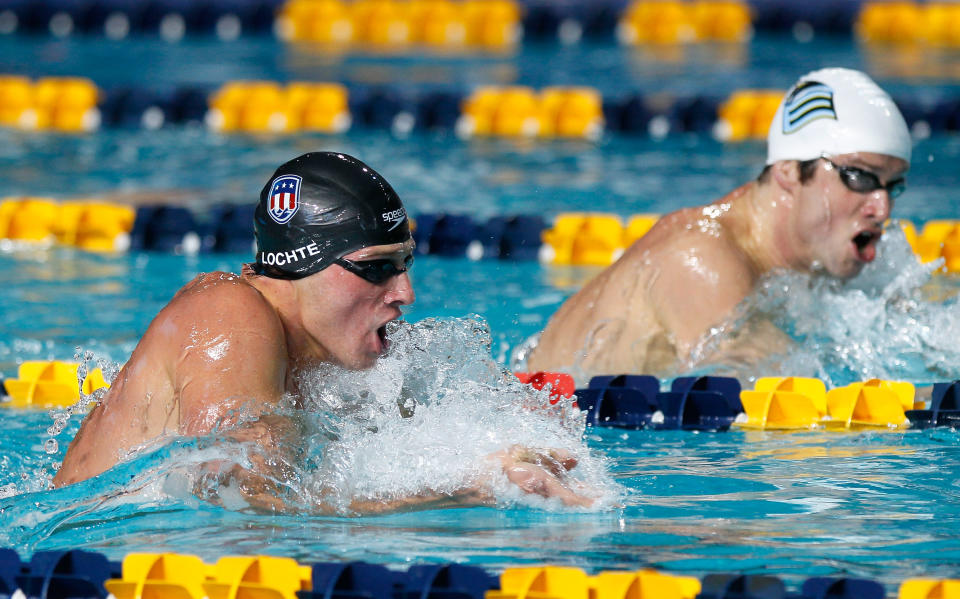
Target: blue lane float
119, 19
170, 229
72, 574
841, 588
635, 402
513, 237
450, 581
701, 403
452, 234
944, 408
353, 579
231, 231
10, 567
622, 401
733, 586
129, 107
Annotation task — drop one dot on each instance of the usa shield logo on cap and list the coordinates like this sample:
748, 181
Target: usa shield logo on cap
284, 198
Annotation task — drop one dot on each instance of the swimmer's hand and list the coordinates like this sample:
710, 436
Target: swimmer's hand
533, 471
541, 473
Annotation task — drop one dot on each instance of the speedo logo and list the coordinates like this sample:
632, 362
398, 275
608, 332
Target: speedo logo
394, 216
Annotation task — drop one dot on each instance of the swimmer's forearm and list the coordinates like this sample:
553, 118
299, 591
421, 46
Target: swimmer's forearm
428, 500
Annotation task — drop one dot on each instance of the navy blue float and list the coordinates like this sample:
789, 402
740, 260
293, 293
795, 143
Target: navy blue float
695, 114
629, 114
438, 110
358, 580
635, 402
422, 230
452, 234
162, 228
700, 403
377, 108
516, 237
452, 581
622, 401
67, 575
944, 408
733, 586
10, 567
232, 230
522, 237
841, 588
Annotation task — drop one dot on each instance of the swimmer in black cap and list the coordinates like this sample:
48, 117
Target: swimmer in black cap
331, 270
320, 207
324, 209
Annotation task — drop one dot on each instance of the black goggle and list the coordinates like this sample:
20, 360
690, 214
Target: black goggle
861, 181
375, 271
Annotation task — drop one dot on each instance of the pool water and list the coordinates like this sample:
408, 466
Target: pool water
881, 504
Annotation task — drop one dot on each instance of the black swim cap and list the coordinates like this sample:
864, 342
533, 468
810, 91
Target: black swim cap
319, 207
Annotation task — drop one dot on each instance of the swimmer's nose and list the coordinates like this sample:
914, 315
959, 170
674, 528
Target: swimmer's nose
878, 206
401, 291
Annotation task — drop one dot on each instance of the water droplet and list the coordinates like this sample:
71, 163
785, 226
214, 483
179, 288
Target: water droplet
51, 446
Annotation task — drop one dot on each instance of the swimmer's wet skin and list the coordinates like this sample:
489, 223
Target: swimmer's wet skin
838, 151
331, 271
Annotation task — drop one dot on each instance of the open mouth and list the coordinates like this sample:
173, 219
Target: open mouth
865, 243
382, 334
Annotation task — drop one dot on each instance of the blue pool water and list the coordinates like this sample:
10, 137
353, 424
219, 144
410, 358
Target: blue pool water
882, 504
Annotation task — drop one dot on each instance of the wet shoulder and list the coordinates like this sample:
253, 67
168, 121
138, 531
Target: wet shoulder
709, 227
217, 284
223, 295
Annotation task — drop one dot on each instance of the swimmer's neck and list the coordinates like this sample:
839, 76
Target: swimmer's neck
302, 349
762, 214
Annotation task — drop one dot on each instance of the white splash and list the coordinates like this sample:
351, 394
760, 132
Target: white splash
895, 321
428, 415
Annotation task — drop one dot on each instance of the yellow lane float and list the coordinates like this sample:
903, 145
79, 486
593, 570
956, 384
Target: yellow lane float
257, 578
42, 384
928, 588
784, 403
519, 111
91, 226
66, 104
268, 107
874, 403
747, 114
683, 22
390, 25
935, 24
156, 576
583, 239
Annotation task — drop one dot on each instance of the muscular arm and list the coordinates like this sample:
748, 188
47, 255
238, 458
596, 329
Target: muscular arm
698, 285
229, 375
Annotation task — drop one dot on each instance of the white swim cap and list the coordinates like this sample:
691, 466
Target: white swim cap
836, 111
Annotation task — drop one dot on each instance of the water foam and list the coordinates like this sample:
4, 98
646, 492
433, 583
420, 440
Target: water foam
895, 320
427, 417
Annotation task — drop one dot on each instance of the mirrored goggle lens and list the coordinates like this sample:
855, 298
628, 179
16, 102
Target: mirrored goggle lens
863, 181
376, 271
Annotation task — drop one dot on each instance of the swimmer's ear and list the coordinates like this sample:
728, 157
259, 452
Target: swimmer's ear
787, 174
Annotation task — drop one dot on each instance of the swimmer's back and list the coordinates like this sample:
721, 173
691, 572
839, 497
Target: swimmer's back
165, 388
619, 322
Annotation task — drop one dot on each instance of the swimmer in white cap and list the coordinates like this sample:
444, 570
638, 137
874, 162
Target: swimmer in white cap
333, 250
838, 151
